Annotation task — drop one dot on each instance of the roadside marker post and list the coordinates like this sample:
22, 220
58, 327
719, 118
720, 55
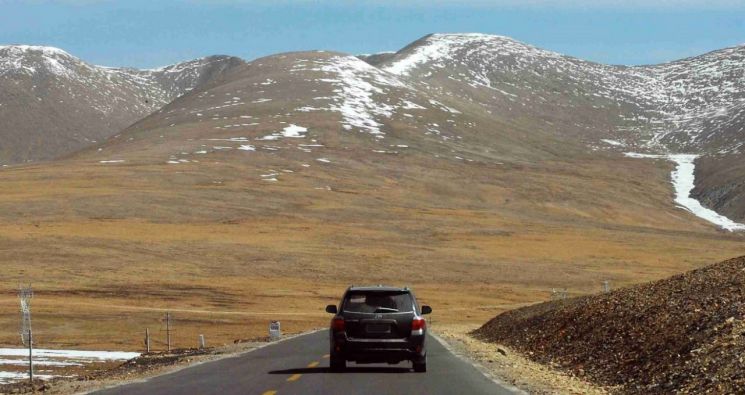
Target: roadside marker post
201, 342
24, 295
168, 331
30, 358
147, 340
559, 294
275, 331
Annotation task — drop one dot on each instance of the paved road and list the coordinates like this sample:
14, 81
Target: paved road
300, 366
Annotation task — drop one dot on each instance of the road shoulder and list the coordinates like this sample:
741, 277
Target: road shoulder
509, 368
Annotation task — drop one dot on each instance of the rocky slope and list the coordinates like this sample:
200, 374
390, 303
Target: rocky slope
685, 334
52, 103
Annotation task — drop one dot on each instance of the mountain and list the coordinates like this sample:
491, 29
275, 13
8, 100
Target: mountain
335, 95
694, 105
52, 103
456, 97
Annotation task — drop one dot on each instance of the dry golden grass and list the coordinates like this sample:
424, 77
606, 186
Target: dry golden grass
110, 248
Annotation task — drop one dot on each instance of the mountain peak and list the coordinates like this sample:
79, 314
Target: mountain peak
439, 47
53, 103
24, 49
30, 59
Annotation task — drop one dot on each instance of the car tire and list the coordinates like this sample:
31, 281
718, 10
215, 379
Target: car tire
337, 363
420, 366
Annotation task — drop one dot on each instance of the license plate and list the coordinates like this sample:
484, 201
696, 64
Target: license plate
378, 328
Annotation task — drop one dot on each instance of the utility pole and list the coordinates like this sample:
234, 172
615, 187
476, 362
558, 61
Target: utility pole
168, 330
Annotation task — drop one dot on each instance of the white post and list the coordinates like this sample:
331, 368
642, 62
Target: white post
147, 340
168, 330
30, 358
201, 342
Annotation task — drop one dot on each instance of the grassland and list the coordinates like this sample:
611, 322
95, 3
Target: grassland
109, 248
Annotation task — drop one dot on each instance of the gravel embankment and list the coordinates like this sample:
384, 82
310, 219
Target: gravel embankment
684, 334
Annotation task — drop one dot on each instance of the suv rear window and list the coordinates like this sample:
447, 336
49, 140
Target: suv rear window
378, 302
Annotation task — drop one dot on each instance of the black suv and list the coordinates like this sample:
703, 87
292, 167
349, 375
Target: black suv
378, 324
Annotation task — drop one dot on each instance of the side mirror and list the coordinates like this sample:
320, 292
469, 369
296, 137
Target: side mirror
426, 310
331, 309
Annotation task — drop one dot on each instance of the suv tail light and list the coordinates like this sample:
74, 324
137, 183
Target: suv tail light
337, 324
418, 325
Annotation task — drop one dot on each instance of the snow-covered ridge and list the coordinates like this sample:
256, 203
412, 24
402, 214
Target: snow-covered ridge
686, 105
30, 59
682, 179
442, 47
109, 86
49, 51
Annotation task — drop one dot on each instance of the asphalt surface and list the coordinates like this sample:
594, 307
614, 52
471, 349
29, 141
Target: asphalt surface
300, 366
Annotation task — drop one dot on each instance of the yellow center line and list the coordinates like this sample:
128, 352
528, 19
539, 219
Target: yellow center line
326, 356
272, 392
294, 377
313, 364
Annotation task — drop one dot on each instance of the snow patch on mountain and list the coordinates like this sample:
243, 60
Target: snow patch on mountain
683, 178
292, 131
615, 143
358, 84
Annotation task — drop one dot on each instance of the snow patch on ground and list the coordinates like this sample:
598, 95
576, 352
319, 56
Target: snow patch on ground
70, 354
9, 377
53, 358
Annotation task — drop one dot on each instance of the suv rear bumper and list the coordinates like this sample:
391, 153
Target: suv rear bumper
378, 350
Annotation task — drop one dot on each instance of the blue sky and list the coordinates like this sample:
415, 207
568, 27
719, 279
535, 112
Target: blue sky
152, 33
